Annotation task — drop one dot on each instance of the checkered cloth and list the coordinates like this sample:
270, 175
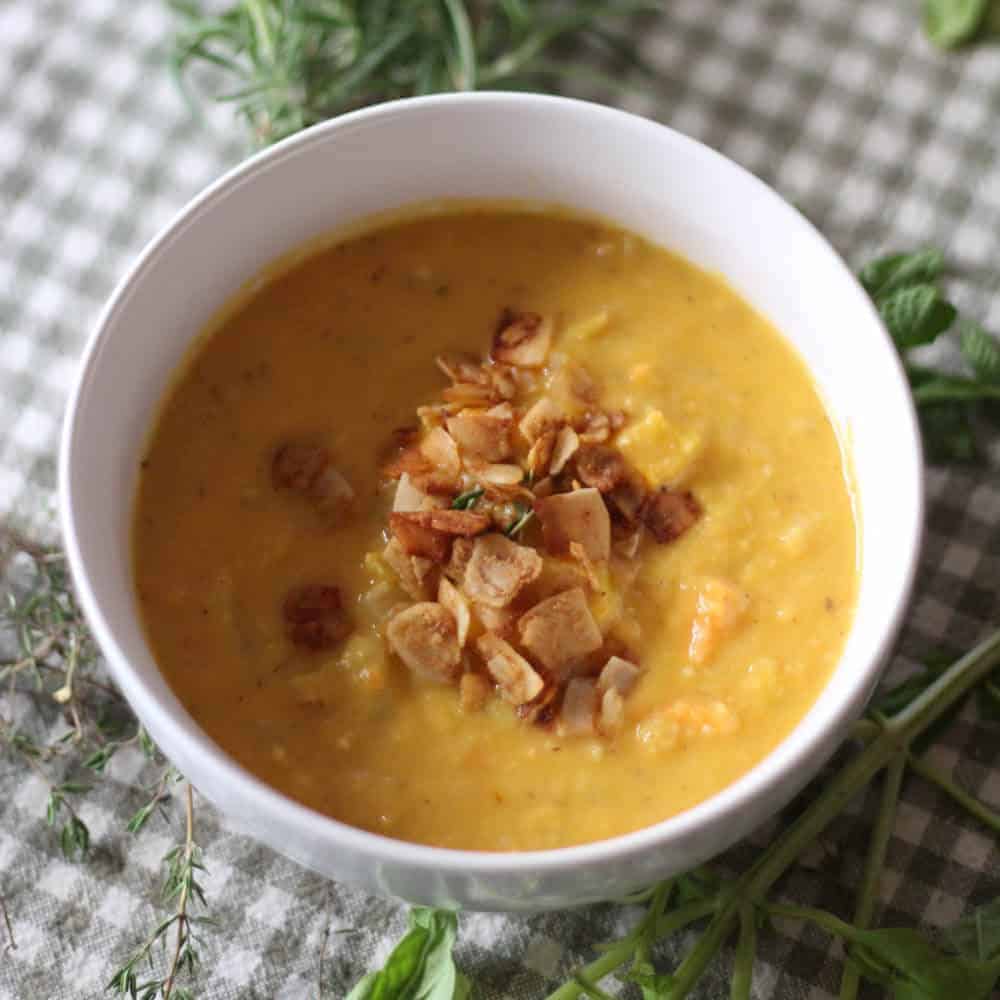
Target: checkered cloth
843, 107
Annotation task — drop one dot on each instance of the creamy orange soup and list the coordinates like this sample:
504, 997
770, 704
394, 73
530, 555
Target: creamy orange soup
622, 618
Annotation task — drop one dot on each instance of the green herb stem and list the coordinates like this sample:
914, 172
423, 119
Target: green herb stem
746, 950
989, 817
896, 735
620, 952
868, 893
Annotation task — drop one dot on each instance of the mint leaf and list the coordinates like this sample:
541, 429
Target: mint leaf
897, 270
915, 315
981, 351
950, 23
421, 966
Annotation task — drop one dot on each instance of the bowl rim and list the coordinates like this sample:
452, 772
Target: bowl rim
261, 797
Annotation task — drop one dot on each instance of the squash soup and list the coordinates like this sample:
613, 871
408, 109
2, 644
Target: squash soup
496, 529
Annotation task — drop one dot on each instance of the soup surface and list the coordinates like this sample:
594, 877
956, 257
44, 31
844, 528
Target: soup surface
622, 618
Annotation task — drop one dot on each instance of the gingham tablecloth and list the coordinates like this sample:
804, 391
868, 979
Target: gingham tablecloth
843, 107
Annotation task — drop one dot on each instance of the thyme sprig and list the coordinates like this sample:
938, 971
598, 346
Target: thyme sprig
182, 888
288, 64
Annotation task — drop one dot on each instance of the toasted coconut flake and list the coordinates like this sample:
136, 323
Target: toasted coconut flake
439, 448
579, 516
467, 523
427, 572
579, 553
558, 574
566, 444
499, 475
522, 339
482, 434
473, 692
620, 674
401, 564
541, 417
541, 710
602, 467
468, 394
578, 707
544, 488
408, 497
415, 534
432, 416
504, 381
462, 368
501, 621
499, 569
315, 618
428, 533
668, 513
461, 553
423, 473
450, 597
540, 453
611, 715
424, 637
594, 427
560, 632
516, 679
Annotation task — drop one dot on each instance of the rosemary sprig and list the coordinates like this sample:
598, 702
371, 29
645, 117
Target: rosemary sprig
288, 64
181, 887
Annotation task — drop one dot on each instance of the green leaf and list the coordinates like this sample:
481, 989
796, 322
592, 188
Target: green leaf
897, 270
947, 432
421, 966
978, 935
981, 351
905, 961
467, 500
915, 314
950, 23
524, 517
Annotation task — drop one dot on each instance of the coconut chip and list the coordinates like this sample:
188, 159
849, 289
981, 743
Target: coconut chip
498, 569
451, 598
522, 339
424, 637
517, 680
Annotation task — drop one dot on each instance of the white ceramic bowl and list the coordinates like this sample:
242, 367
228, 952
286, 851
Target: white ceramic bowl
591, 158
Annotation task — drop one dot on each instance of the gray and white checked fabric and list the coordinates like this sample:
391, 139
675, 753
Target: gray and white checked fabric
842, 106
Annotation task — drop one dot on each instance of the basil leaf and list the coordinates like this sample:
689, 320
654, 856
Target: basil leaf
914, 969
950, 23
421, 966
916, 314
981, 351
897, 270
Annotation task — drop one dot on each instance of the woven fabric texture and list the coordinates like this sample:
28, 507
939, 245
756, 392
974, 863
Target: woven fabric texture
844, 107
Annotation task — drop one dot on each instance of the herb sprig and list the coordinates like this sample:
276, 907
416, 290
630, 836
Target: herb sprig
288, 64
909, 964
182, 888
904, 287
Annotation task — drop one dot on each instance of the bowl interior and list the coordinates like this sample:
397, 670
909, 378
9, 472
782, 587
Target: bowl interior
591, 159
